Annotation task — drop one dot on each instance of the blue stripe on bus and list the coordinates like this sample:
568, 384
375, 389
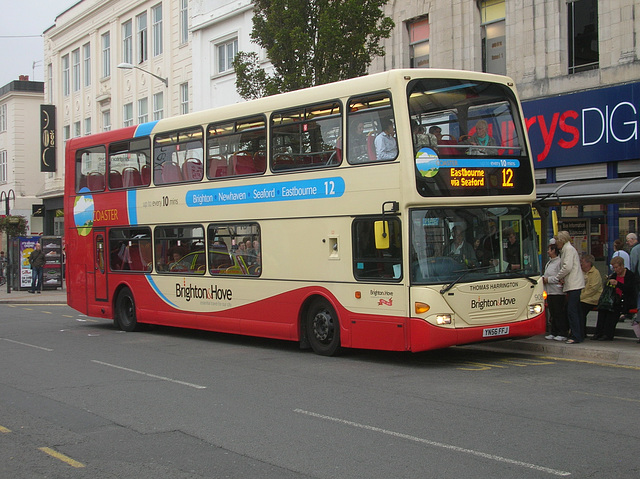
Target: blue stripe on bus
132, 211
145, 129
268, 192
157, 290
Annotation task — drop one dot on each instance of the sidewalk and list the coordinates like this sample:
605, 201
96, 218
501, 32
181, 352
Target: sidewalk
49, 296
624, 350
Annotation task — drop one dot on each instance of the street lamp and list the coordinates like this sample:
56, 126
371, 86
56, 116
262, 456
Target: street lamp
129, 66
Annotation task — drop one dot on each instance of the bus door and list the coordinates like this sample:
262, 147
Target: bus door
99, 265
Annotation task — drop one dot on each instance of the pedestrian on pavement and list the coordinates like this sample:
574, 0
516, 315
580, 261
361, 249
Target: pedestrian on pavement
618, 250
556, 308
572, 280
624, 282
634, 260
37, 261
592, 288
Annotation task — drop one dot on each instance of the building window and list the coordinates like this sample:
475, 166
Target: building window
106, 120
77, 129
492, 13
106, 55
158, 106
86, 62
3, 117
142, 37
143, 110
127, 114
156, 29
584, 52
184, 21
75, 62
65, 76
419, 43
50, 82
127, 42
226, 54
87, 126
66, 132
184, 98
3, 166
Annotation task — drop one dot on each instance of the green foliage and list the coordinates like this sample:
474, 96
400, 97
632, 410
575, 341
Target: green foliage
13, 225
311, 42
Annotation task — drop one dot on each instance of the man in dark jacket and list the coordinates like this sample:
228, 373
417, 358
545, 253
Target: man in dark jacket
37, 261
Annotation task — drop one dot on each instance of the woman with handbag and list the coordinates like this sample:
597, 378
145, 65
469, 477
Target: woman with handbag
618, 296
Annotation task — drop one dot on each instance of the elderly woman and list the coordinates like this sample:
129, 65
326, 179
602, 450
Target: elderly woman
624, 282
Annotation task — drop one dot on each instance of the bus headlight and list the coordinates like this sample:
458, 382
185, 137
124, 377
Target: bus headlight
443, 319
535, 309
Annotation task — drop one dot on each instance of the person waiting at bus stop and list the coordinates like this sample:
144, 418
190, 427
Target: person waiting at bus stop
572, 280
37, 260
624, 282
592, 287
558, 325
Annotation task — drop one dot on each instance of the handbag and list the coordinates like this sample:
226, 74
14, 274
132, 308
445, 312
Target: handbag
607, 299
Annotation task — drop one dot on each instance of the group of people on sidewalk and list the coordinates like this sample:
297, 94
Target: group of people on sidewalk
575, 287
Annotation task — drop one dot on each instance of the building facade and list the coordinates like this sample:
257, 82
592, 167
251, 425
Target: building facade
113, 63
20, 177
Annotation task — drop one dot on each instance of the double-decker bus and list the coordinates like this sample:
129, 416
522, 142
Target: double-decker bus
390, 212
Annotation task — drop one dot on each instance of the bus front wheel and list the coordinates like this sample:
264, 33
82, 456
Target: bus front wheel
323, 328
126, 311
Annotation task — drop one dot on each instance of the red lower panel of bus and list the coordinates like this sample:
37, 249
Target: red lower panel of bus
278, 318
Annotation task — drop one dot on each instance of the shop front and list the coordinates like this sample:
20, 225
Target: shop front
587, 159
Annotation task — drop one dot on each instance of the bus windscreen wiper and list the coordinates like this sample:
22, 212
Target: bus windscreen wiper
455, 281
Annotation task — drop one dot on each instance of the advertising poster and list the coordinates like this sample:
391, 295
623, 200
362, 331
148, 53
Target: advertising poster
26, 246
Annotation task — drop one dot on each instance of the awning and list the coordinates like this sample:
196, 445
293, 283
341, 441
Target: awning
615, 190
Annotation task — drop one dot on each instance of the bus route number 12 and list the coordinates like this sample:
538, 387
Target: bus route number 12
507, 178
329, 188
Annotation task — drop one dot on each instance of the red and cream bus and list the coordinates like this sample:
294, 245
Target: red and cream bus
388, 212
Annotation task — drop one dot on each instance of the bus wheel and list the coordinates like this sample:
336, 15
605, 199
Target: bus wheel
126, 311
323, 328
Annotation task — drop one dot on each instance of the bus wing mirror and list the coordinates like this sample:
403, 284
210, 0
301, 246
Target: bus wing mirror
381, 233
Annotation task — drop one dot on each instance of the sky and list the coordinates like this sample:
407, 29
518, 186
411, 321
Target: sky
21, 44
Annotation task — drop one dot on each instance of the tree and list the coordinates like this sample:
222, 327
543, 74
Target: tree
311, 42
13, 225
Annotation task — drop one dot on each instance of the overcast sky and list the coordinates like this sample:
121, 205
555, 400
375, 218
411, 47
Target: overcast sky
23, 18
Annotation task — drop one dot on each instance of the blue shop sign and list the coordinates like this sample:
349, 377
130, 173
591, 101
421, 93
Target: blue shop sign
593, 126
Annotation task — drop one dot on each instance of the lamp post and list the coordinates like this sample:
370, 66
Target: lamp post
129, 66
8, 196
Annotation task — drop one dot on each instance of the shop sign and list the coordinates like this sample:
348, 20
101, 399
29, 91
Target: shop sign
593, 126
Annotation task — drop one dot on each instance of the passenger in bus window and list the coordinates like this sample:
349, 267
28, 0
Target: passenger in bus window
481, 138
386, 146
461, 250
422, 139
512, 249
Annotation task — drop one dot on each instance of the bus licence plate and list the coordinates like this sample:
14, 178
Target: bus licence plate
492, 332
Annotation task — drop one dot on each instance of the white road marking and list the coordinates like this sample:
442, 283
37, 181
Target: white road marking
26, 344
191, 385
450, 447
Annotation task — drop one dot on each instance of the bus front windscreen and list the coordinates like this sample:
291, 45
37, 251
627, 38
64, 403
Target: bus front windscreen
472, 244
468, 139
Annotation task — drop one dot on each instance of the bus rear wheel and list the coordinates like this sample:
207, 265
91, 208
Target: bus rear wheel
323, 328
126, 311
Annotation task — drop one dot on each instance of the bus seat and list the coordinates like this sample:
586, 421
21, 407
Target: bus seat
115, 179
260, 161
371, 146
145, 175
171, 172
192, 169
243, 163
95, 181
218, 166
131, 177
283, 161
450, 140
